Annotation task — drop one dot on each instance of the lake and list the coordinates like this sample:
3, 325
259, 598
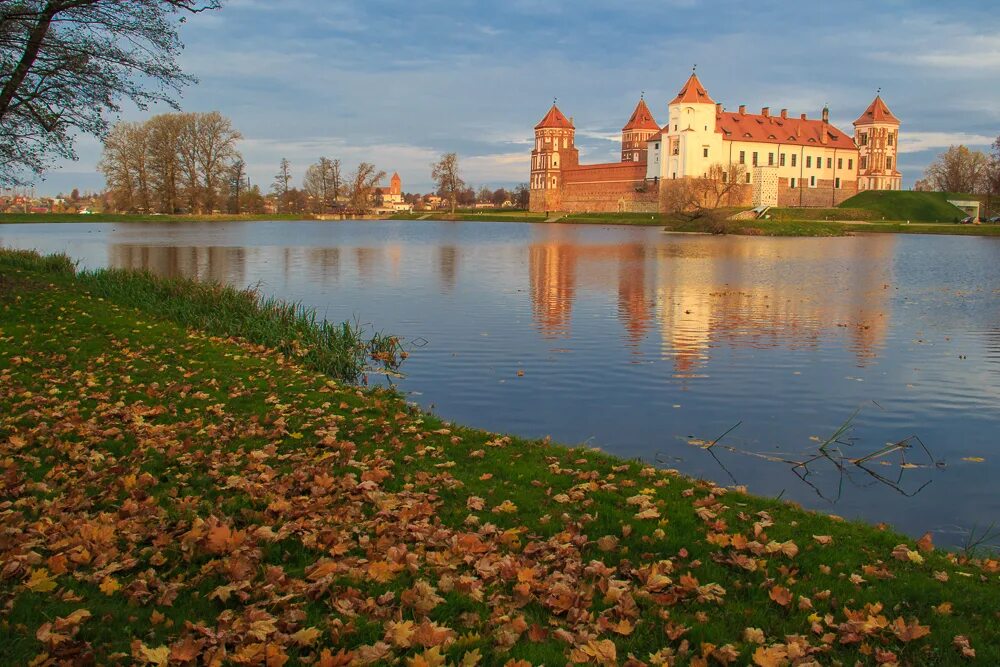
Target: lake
652, 345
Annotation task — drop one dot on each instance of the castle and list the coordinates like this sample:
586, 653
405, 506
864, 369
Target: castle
746, 159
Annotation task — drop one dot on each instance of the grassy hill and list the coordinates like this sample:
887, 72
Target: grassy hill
900, 205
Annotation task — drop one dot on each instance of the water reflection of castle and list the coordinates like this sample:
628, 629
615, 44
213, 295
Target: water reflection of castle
741, 293
697, 294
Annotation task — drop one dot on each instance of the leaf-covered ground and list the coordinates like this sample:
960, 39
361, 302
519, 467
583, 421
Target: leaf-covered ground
168, 498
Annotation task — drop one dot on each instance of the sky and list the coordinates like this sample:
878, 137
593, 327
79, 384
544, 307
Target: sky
400, 83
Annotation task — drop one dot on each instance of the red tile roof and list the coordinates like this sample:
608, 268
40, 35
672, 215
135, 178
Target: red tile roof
554, 118
778, 130
642, 118
659, 135
693, 93
877, 112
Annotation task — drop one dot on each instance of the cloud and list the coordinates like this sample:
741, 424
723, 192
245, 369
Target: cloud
915, 142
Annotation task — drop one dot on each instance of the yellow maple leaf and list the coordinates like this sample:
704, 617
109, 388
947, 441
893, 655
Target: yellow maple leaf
399, 634
109, 586
306, 636
40, 581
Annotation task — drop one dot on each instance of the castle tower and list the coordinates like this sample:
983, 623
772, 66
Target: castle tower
690, 143
876, 132
636, 133
554, 149
396, 184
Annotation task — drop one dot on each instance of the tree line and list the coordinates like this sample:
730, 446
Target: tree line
963, 170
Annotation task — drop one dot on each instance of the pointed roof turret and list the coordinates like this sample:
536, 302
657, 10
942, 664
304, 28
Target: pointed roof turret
877, 112
693, 93
642, 118
554, 118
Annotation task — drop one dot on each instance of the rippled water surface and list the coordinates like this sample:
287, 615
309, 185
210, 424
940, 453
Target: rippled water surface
646, 344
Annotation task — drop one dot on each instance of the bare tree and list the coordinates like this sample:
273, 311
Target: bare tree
154, 166
362, 185
237, 173
125, 166
215, 150
323, 183
722, 185
993, 177
522, 196
66, 64
280, 185
164, 160
959, 170
445, 175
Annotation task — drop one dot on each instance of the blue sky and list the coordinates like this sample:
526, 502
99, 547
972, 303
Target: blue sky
398, 83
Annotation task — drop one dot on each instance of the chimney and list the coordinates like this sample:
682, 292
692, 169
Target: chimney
718, 108
826, 114
803, 116
743, 109
784, 113
765, 112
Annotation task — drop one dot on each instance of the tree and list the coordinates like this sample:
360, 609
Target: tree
66, 65
323, 183
522, 196
170, 161
280, 185
484, 195
993, 177
237, 178
362, 184
214, 152
699, 197
500, 196
958, 169
445, 174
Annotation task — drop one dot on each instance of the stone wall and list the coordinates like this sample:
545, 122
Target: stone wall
824, 195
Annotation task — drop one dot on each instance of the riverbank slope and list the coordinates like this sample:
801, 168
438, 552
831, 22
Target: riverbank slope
170, 493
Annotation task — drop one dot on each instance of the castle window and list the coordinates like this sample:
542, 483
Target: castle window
836, 183
840, 163
748, 177
809, 161
829, 163
863, 162
793, 184
743, 157
794, 159
770, 159
656, 146
781, 160
888, 163
863, 138
704, 152
850, 163
812, 181
725, 177
890, 138
755, 158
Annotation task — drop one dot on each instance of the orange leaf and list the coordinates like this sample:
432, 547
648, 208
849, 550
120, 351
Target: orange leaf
781, 595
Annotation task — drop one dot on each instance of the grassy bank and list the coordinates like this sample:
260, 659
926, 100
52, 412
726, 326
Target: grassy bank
172, 496
784, 222
906, 205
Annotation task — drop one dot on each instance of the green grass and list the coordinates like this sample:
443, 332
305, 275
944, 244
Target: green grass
824, 214
343, 351
202, 480
905, 205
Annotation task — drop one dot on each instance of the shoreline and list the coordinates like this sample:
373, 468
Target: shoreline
208, 494
714, 226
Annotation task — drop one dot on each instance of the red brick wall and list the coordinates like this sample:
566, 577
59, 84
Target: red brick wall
823, 195
607, 188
